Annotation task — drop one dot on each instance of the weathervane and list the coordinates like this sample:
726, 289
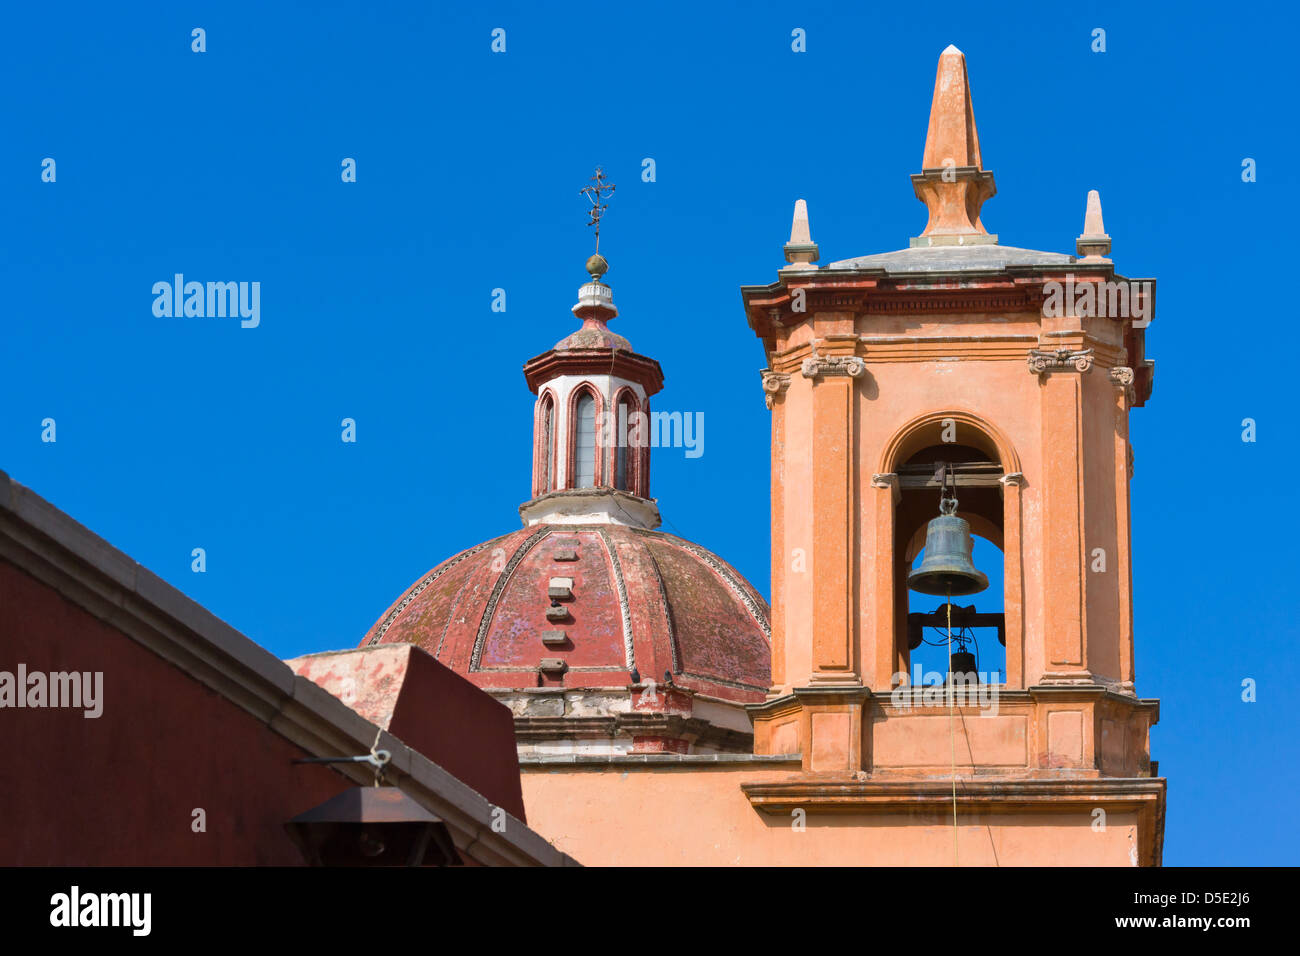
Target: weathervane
596, 191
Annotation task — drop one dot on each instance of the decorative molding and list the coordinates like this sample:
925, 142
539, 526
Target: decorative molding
542, 730
945, 348
917, 433
1059, 360
833, 365
774, 383
621, 586
828, 301
1124, 378
577, 507
889, 482
790, 360
1014, 478
992, 796
1146, 796
911, 302
617, 362
668, 612
762, 761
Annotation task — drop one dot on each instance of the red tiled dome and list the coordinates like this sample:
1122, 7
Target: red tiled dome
640, 599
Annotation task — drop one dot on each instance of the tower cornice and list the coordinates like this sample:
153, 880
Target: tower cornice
617, 362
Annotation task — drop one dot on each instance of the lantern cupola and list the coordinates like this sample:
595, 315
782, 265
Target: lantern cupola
591, 448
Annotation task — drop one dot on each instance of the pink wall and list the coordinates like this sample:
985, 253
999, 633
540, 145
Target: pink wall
120, 789
629, 816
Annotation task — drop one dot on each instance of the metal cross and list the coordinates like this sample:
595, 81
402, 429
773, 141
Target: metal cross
596, 191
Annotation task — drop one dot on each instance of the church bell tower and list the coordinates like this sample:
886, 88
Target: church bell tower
1000, 379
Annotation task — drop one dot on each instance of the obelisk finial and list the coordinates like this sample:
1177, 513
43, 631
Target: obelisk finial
953, 182
801, 252
951, 139
1094, 243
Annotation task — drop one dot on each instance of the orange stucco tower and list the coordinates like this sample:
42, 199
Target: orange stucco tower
1018, 368
1006, 376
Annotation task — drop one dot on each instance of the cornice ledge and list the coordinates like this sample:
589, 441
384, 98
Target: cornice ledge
629, 760
990, 796
547, 728
1082, 692
838, 693
591, 506
774, 707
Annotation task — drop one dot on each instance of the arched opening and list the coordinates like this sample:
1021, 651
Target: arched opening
546, 446
978, 620
989, 486
625, 456
584, 445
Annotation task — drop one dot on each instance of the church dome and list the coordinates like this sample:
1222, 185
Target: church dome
601, 634
584, 606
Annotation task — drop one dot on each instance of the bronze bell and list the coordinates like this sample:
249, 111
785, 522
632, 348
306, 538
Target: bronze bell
961, 668
947, 568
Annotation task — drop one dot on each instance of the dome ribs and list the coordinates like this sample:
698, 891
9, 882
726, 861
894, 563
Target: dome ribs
455, 603
720, 625
621, 585
463, 612
652, 618
476, 658
757, 607
640, 599
591, 651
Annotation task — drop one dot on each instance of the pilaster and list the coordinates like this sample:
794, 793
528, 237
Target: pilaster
886, 657
1123, 379
1064, 568
834, 527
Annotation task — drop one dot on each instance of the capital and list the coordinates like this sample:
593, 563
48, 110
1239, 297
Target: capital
833, 365
1123, 377
1043, 361
774, 383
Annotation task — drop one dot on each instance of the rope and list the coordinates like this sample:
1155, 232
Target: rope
952, 738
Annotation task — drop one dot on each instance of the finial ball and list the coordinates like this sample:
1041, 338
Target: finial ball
597, 266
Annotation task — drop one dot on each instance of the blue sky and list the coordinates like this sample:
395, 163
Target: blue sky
375, 304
